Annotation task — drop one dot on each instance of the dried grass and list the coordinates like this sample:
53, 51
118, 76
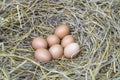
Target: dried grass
94, 23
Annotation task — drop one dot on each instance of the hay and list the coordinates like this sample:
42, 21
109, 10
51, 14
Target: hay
95, 24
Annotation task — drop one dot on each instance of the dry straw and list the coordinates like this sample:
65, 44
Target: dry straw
94, 23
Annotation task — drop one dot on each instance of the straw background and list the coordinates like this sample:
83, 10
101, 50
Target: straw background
95, 24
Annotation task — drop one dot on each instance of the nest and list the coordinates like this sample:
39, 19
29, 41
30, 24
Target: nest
94, 24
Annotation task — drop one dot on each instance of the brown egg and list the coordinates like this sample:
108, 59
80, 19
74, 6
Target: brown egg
71, 50
53, 39
67, 40
42, 55
62, 30
39, 43
56, 51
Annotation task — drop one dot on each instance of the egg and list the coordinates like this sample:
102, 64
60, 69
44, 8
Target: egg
71, 50
62, 30
67, 40
39, 43
42, 55
53, 39
56, 51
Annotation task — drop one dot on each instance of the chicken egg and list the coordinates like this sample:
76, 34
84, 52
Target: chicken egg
42, 55
62, 30
67, 40
71, 50
39, 43
53, 39
56, 51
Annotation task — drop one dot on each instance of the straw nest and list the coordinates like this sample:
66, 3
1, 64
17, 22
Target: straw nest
94, 23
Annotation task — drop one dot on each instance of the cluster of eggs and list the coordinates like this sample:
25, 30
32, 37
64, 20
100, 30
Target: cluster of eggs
56, 45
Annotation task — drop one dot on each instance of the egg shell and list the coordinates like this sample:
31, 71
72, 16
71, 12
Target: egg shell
39, 43
53, 39
56, 51
67, 40
62, 30
42, 55
71, 50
